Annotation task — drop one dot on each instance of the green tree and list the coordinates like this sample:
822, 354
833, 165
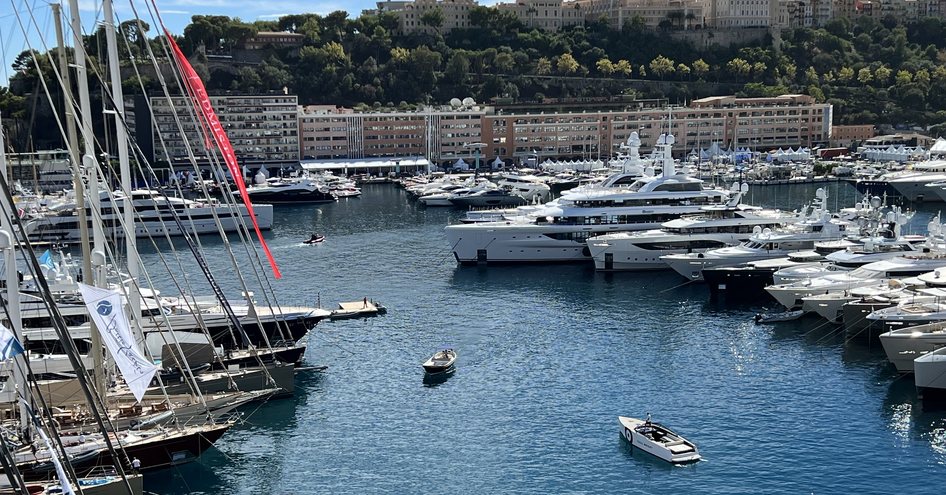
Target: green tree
700, 67
433, 18
811, 76
903, 78
623, 67
882, 74
661, 66
567, 64
865, 76
683, 70
605, 66
458, 66
845, 75
740, 67
543, 66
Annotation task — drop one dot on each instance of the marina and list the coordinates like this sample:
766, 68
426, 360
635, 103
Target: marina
514, 271
536, 341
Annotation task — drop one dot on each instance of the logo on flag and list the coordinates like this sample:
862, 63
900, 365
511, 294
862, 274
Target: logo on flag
9, 345
104, 308
46, 260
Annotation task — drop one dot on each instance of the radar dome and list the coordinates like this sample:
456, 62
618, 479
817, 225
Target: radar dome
455, 102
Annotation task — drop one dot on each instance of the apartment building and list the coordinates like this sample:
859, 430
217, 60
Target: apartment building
410, 15
263, 129
683, 14
550, 15
730, 14
582, 131
441, 134
846, 135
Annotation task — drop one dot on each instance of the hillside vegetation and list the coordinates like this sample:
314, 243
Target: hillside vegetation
873, 71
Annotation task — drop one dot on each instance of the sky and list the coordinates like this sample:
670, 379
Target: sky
175, 13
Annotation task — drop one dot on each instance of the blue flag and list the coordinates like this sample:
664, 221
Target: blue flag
9, 345
46, 260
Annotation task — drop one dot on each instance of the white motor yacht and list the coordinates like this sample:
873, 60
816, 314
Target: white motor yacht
929, 374
904, 345
716, 226
558, 231
155, 215
790, 295
830, 305
817, 225
912, 184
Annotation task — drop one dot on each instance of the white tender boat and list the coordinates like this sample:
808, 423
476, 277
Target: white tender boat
658, 440
441, 361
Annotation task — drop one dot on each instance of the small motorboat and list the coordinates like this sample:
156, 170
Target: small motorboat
441, 361
776, 317
315, 239
658, 440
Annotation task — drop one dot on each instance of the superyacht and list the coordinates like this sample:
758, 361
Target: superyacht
155, 215
557, 231
715, 227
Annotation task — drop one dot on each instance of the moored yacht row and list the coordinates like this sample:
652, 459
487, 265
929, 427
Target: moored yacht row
853, 266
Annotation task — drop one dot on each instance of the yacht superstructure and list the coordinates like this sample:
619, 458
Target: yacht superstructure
558, 231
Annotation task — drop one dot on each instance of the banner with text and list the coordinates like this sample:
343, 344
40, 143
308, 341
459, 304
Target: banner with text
108, 314
207, 117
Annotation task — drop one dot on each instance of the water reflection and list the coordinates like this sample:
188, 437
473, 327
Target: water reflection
434, 379
650, 463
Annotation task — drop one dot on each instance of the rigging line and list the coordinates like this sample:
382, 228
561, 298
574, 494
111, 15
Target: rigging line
92, 395
213, 212
31, 379
447, 256
688, 282
223, 236
213, 158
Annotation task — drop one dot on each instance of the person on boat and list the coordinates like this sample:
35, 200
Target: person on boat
135, 465
365, 303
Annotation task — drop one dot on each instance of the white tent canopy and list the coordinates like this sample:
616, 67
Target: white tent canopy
370, 165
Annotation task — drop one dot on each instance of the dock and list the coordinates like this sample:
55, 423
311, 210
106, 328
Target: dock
357, 309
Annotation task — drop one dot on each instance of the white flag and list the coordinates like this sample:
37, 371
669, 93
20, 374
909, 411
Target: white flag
108, 314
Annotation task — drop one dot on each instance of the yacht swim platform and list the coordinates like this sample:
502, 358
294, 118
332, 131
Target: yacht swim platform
357, 309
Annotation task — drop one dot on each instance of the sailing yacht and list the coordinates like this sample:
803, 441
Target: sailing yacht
155, 215
557, 232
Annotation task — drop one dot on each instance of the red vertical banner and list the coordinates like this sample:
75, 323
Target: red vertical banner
202, 101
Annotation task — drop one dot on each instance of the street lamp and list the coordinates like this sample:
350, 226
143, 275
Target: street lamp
476, 147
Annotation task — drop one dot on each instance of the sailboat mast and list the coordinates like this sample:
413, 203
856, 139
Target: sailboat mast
121, 141
8, 245
91, 167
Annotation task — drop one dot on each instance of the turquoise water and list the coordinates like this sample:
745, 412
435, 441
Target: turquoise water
549, 357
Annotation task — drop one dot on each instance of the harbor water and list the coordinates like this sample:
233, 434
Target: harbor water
549, 357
